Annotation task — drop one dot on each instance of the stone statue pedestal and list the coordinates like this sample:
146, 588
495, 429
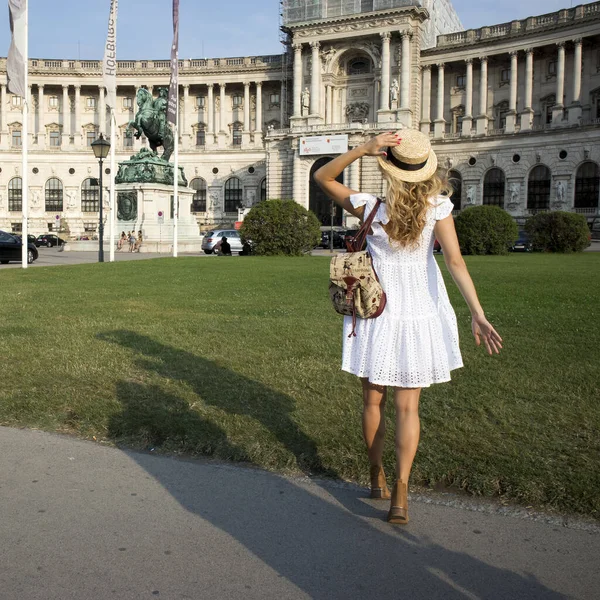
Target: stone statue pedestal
149, 207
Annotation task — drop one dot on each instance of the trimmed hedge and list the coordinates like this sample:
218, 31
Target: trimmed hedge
558, 231
485, 230
276, 227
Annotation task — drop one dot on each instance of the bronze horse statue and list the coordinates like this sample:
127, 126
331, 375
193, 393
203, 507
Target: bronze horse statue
151, 120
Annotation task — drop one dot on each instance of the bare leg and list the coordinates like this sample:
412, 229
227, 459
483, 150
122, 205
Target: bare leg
373, 420
408, 429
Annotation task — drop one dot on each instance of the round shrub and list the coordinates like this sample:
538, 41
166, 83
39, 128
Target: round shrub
280, 227
558, 231
485, 230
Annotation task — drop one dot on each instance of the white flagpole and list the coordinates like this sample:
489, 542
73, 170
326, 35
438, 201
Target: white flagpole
176, 184
25, 146
113, 167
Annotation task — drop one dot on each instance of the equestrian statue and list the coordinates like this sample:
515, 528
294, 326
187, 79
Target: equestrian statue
151, 120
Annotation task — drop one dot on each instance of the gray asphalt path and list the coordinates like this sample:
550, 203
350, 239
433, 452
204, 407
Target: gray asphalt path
79, 520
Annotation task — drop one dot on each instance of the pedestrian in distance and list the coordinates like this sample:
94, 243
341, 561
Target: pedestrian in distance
131, 241
414, 342
122, 241
139, 241
225, 248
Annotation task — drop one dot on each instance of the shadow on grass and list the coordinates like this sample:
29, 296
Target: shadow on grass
312, 537
155, 418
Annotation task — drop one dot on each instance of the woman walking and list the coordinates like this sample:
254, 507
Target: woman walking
414, 343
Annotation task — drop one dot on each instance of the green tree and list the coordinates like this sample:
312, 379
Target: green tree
558, 231
485, 230
276, 227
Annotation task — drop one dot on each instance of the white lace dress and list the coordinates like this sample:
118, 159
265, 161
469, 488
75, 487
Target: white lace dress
414, 342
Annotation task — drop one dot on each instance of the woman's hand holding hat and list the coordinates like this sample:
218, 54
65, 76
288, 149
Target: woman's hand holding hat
384, 140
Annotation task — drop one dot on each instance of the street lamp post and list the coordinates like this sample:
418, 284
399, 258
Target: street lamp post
101, 148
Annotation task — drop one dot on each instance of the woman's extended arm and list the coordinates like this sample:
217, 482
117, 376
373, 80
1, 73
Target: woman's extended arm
482, 329
326, 175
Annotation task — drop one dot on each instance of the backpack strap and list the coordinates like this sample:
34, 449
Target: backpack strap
357, 243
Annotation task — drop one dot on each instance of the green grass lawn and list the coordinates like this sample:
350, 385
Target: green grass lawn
240, 359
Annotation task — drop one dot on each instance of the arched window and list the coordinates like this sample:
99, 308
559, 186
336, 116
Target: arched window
199, 198
263, 190
493, 187
233, 194
455, 180
54, 195
359, 66
538, 188
15, 194
90, 196
587, 185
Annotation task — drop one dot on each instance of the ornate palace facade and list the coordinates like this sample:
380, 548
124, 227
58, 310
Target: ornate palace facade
513, 111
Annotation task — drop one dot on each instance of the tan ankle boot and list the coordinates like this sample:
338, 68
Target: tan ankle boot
399, 506
379, 488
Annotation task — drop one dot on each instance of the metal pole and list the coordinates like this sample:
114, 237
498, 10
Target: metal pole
25, 149
101, 225
331, 230
113, 167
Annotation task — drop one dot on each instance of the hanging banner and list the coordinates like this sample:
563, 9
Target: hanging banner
15, 64
323, 144
173, 86
109, 67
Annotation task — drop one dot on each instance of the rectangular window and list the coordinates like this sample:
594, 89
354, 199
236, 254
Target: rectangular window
461, 81
17, 101
90, 102
90, 227
128, 139
50, 226
237, 137
16, 227
55, 139
16, 138
238, 101
53, 101
505, 75
128, 102
200, 102
552, 68
200, 137
274, 99
90, 137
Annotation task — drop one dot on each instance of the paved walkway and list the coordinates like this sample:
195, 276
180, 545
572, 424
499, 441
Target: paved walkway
82, 520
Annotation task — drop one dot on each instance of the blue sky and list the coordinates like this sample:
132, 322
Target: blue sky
235, 28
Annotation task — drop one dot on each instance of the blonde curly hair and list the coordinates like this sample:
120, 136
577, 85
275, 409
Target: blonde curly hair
407, 206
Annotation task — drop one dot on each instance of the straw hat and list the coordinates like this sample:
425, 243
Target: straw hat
413, 160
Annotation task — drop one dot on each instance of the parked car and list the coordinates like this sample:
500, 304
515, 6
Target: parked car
31, 238
11, 248
348, 235
522, 243
49, 240
212, 238
437, 247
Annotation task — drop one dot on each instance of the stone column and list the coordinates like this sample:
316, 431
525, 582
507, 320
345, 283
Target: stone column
405, 72
210, 112
315, 80
558, 109
511, 117
66, 111
575, 107
41, 131
246, 131
77, 133
328, 105
299, 197
482, 118
102, 109
4, 141
186, 134
467, 123
426, 100
258, 122
440, 122
527, 114
222, 118
384, 97
297, 80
